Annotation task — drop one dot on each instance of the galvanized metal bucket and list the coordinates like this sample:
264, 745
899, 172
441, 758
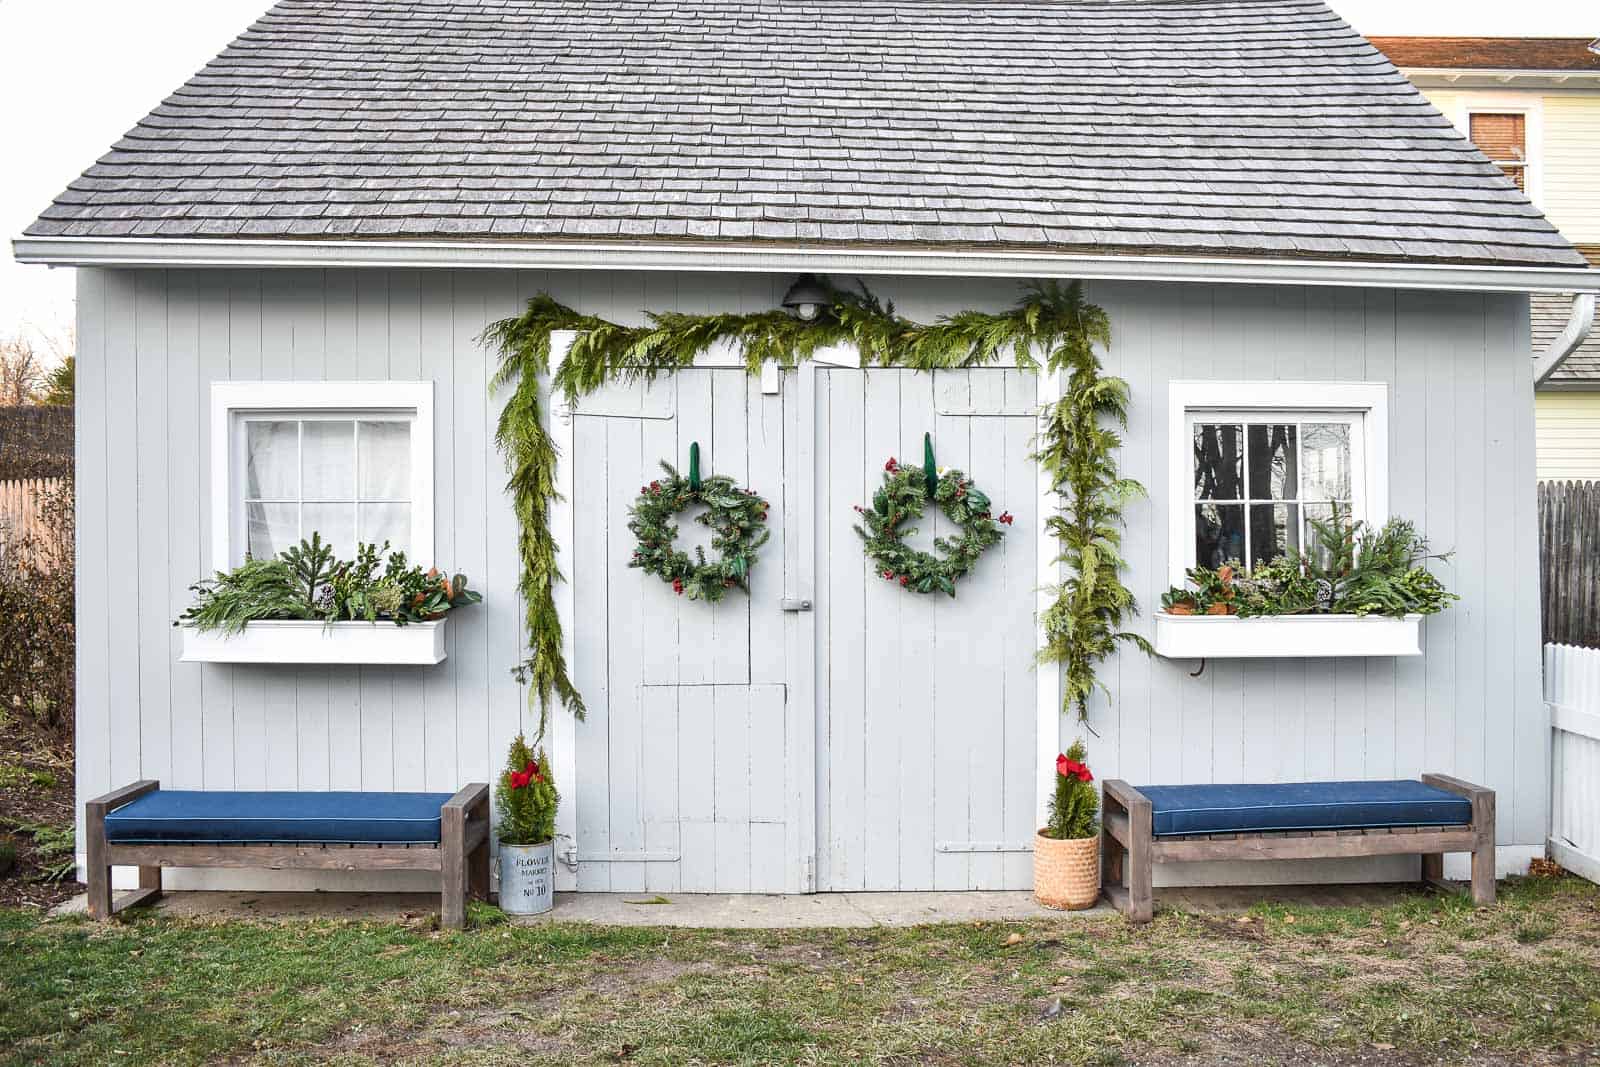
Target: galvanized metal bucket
527, 878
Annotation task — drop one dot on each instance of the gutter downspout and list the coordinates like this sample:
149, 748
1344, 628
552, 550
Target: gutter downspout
1579, 324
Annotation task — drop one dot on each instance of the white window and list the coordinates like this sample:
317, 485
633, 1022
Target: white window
351, 461
1253, 464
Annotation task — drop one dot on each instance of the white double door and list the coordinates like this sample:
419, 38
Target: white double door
830, 731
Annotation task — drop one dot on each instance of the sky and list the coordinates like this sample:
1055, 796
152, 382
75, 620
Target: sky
76, 74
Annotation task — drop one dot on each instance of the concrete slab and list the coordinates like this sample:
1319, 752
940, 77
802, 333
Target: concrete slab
761, 912
701, 910
753, 912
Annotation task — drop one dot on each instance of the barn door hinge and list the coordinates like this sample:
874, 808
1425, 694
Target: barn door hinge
794, 604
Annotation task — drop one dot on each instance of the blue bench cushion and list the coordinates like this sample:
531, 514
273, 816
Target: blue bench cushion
175, 815
1231, 809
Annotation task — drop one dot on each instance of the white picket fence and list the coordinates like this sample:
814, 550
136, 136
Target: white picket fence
1572, 691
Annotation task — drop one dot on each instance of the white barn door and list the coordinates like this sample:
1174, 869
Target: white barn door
686, 778
883, 740
925, 704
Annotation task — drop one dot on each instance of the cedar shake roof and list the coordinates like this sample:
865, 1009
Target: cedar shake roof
1201, 127
1490, 53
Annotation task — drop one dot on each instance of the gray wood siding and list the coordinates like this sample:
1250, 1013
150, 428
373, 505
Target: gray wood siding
151, 342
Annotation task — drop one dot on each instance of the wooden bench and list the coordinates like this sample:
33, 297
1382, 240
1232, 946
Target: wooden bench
150, 829
1313, 820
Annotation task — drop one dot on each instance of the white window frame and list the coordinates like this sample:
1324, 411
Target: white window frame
1367, 402
299, 399
1531, 107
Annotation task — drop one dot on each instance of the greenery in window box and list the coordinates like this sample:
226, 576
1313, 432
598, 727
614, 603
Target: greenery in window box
306, 581
1352, 569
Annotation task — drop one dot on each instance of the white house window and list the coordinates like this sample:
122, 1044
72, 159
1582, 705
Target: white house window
1503, 137
353, 462
1256, 463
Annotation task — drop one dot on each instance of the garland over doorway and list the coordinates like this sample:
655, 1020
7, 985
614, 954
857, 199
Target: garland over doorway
1051, 328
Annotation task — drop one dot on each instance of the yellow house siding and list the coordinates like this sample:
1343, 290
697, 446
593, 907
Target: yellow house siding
1572, 165
1569, 435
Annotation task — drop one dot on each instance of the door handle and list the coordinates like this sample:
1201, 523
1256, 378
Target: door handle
796, 605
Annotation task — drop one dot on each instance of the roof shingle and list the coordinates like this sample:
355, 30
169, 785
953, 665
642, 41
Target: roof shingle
1221, 127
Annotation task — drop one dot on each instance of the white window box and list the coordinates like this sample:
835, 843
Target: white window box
1286, 636
295, 641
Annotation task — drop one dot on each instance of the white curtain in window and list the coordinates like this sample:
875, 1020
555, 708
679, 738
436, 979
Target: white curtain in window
348, 480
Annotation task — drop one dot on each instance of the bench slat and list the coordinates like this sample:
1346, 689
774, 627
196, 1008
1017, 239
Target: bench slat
1286, 847
295, 857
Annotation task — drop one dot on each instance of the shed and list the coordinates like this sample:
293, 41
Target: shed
305, 243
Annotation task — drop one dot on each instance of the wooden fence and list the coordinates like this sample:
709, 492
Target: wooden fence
1569, 562
1572, 691
22, 518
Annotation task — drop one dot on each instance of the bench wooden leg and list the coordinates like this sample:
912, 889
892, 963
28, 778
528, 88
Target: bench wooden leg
99, 872
453, 872
1483, 855
1132, 859
478, 872
1482, 800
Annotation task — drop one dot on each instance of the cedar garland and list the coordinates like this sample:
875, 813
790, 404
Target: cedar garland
1051, 324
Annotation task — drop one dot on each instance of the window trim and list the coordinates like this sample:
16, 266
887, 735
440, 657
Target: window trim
1531, 107
1369, 400
300, 398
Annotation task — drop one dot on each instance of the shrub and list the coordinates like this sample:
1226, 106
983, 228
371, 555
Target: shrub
36, 603
1076, 804
527, 797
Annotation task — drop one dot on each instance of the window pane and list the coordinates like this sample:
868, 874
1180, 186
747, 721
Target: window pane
1274, 529
328, 461
271, 451
1218, 462
337, 525
1218, 533
1325, 451
391, 523
385, 460
1274, 466
271, 528
1338, 511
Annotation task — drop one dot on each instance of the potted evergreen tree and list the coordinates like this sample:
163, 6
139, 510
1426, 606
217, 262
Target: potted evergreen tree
1066, 853
526, 795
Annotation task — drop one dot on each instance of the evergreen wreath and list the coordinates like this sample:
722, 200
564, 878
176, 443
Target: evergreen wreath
737, 518
1052, 327
902, 498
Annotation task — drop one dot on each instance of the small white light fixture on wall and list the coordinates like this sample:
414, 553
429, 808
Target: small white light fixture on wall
806, 298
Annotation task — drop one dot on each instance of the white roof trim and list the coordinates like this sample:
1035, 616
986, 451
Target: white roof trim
709, 258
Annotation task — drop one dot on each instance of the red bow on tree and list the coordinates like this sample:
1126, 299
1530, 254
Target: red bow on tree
1071, 768
529, 774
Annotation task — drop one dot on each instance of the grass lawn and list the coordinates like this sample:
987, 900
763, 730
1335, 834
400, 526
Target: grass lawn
1426, 979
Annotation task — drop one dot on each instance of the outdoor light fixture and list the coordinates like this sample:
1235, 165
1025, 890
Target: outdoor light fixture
806, 298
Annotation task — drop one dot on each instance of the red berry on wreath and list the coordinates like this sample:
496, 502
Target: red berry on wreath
1006, 517
892, 465
905, 579
677, 586
888, 576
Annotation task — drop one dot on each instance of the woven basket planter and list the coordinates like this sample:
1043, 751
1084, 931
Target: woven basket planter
1066, 874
